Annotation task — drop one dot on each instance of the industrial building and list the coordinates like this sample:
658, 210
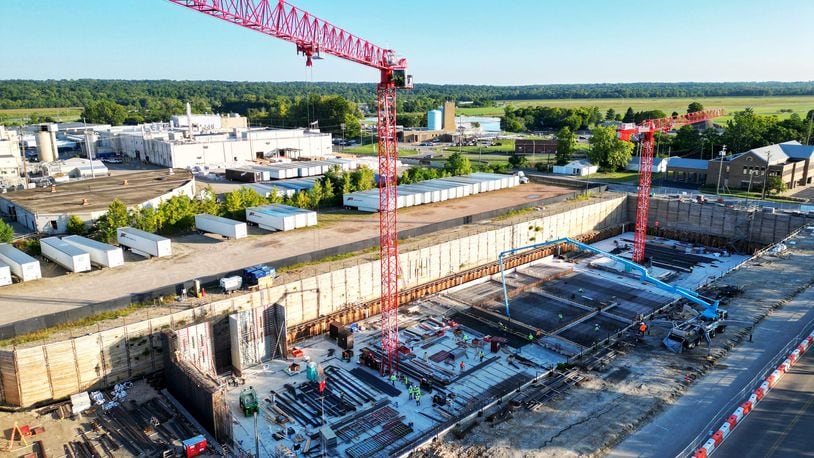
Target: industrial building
790, 161
47, 210
213, 141
10, 158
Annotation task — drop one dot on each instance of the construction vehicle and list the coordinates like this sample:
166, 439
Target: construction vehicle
248, 402
684, 335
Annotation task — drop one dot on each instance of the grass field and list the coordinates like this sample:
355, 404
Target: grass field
762, 105
23, 114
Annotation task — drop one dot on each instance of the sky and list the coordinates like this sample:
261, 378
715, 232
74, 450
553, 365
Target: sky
446, 41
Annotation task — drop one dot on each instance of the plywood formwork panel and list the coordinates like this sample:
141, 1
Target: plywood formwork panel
325, 299
33, 377
352, 284
366, 280
310, 298
62, 369
89, 362
10, 392
434, 262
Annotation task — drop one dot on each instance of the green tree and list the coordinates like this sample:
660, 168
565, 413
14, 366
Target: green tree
363, 179
457, 164
610, 115
147, 219
607, 150
518, 161
208, 202
775, 185
629, 115
274, 197
301, 200
105, 112
177, 214
6, 232
566, 142
694, 106
76, 226
315, 195
233, 205
687, 140
115, 218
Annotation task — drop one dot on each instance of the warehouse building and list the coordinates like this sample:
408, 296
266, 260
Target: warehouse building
10, 158
175, 147
47, 210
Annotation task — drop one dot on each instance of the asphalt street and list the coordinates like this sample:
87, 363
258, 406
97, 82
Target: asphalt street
782, 423
706, 403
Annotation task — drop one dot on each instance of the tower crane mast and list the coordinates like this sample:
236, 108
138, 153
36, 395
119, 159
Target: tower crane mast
646, 131
313, 36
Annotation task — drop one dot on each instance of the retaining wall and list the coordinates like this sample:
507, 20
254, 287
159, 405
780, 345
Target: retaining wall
736, 225
43, 373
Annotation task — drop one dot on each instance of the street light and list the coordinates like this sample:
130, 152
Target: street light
721, 153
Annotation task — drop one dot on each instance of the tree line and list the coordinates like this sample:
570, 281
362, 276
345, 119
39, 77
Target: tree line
214, 94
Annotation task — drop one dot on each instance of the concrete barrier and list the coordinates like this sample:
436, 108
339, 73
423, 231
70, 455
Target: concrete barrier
748, 406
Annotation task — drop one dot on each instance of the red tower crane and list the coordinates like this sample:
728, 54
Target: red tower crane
646, 131
313, 36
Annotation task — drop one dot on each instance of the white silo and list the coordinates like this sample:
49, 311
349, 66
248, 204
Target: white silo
434, 119
47, 143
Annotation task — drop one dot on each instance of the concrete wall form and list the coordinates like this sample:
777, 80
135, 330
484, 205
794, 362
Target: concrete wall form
42, 373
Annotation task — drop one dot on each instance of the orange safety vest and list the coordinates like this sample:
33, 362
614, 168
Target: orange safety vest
643, 327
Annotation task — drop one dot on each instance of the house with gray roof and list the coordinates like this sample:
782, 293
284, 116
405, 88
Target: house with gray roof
791, 161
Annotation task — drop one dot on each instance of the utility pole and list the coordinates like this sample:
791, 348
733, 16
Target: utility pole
766, 175
722, 153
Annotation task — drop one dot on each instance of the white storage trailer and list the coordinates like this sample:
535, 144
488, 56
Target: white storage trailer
277, 217
66, 255
5, 274
101, 254
144, 243
217, 225
21, 265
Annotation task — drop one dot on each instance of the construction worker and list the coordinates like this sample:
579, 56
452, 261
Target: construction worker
418, 399
462, 366
642, 328
481, 355
393, 379
406, 381
580, 291
559, 315
410, 392
596, 328
531, 337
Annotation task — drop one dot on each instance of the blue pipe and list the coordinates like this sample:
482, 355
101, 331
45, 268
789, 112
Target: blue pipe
710, 309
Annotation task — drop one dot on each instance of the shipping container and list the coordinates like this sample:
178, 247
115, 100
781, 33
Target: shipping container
66, 255
22, 265
144, 243
101, 254
217, 225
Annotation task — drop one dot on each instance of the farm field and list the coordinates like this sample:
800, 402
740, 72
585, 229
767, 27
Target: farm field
762, 105
16, 115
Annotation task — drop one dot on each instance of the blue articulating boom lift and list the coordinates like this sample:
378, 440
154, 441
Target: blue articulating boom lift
685, 335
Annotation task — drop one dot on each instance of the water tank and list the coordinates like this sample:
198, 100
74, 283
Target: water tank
47, 143
434, 119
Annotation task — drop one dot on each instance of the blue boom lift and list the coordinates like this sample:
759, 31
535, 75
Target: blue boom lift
683, 336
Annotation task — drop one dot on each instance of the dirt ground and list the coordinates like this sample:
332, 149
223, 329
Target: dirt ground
193, 254
612, 402
58, 431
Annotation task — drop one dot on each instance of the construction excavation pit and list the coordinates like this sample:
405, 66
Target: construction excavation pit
460, 356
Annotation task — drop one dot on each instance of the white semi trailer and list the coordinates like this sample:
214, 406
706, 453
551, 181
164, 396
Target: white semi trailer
101, 254
144, 243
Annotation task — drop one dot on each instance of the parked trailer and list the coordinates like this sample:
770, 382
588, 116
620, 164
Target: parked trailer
226, 227
101, 254
66, 255
5, 274
277, 217
22, 265
144, 243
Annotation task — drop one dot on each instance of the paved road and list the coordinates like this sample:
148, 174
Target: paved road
783, 421
718, 392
